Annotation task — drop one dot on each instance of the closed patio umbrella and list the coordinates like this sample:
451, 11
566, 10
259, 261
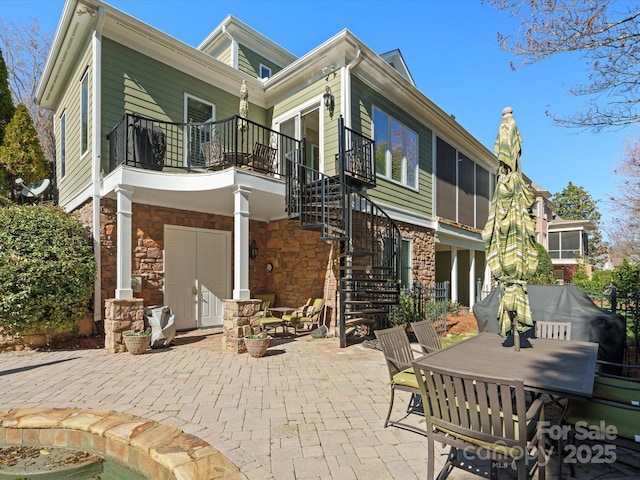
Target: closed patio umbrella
509, 234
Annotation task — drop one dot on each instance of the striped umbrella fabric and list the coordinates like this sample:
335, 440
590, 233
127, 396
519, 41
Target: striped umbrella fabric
509, 234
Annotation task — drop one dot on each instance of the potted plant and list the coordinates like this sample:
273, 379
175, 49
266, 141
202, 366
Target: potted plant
137, 342
257, 344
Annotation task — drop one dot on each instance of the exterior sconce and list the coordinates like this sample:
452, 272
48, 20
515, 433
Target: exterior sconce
253, 250
328, 99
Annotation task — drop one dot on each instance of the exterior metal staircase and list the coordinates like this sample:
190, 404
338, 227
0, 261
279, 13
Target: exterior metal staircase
368, 239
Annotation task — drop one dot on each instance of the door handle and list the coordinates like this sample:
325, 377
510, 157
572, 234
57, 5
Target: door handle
194, 290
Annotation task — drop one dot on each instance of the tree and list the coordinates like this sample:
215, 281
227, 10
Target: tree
625, 229
26, 49
575, 203
6, 103
605, 33
544, 270
21, 154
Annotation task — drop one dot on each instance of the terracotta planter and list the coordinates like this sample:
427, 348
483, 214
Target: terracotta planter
34, 340
85, 326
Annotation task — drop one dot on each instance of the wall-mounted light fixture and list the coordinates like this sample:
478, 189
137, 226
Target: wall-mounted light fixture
253, 250
329, 100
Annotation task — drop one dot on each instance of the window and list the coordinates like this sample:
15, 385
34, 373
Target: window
265, 72
63, 144
396, 149
463, 187
405, 264
84, 113
566, 244
201, 113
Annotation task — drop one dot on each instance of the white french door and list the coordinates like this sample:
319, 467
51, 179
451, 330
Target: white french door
197, 275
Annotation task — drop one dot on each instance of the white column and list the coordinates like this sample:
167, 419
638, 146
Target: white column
454, 274
486, 283
123, 262
241, 243
472, 278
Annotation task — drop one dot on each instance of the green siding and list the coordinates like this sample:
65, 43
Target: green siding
363, 99
78, 169
249, 61
135, 83
296, 98
224, 55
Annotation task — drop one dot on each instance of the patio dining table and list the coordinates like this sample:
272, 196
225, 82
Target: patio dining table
557, 367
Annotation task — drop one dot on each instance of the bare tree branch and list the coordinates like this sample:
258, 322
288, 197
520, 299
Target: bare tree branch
606, 35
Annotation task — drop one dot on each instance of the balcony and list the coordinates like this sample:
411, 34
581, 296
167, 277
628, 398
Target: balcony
152, 144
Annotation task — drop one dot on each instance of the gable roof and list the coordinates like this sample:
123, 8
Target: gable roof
396, 60
232, 28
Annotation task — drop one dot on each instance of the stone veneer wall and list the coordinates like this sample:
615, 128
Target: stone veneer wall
424, 251
303, 264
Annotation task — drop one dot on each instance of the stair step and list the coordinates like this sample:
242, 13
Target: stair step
355, 321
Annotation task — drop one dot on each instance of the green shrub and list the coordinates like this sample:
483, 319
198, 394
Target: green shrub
403, 312
544, 272
453, 308
47, 269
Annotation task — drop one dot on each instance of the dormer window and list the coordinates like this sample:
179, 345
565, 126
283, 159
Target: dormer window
265, 72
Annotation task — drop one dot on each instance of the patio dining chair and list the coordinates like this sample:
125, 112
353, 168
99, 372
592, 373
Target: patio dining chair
427, 336
398, 354
485, 417
553, 330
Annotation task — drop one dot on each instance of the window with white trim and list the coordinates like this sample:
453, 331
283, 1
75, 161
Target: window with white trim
265, 72
84, 113
63, 144
396, 149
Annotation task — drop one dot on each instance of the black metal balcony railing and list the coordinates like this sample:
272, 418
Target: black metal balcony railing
152, 144
359, 157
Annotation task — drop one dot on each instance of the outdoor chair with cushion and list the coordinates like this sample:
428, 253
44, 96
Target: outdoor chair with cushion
309, 316
268, 321
615, 400
399, 355
486, 417
427, 336
553, 330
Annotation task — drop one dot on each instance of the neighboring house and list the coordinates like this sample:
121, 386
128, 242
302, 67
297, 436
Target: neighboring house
191, 205
566, 240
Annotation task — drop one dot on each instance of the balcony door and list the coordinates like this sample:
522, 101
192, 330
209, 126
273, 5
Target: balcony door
305, 124
197, 275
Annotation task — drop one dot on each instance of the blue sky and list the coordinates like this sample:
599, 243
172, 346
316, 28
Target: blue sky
451, 49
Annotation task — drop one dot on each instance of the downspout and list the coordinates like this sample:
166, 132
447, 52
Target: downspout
345, 88
96, 179
234, 48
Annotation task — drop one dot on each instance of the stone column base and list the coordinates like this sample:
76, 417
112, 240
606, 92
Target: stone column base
240, 320
120, 316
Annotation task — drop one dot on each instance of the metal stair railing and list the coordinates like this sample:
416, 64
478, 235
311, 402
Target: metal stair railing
370, 241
